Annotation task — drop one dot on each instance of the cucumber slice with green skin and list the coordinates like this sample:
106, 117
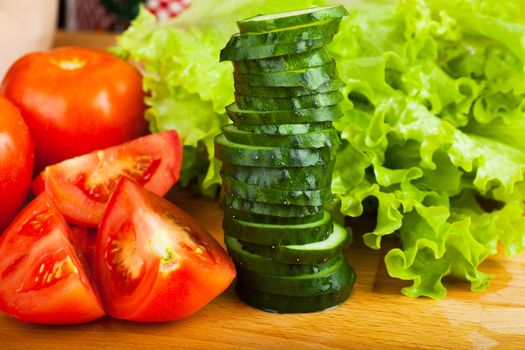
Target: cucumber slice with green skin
271, 22
272, 157
293, 304
261, 103
281, 210
309, 78
298, 116
271, 219
310, 254
317, 31
272, 196
306, 178
285, 129
275, 234
259, 264
301, 60
272, 50
314, 139
327, 281
276, 91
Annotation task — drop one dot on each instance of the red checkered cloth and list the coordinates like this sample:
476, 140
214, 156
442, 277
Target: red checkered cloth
166, 9
92, 15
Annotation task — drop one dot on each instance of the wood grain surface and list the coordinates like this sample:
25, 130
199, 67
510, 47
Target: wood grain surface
376, 317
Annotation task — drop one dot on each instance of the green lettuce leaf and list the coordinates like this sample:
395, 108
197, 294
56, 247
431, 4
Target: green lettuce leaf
434, 127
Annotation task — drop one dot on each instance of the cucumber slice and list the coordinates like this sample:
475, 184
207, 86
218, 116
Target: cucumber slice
292, 304
318, 31
259, 264
276, 91
272, 196
271, 22
273, 157
275, 234
282, 210
285, 129
272, 50
298, 116
327, 281
314, 139
309, 78
301, 60
271, 219
305, 178
310, 254
259, 103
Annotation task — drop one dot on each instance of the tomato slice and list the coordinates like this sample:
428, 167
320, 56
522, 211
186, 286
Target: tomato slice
153, 262
81, 186
42, 279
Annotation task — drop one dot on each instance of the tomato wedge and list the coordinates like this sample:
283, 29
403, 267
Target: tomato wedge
153, 262
42, 279
81, 186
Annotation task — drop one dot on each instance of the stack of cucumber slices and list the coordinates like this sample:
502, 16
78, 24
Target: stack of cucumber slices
277, 159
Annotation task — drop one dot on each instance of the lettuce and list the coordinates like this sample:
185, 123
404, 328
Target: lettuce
434, 129
188, 89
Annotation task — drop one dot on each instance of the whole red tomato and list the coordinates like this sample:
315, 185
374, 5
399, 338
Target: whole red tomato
76, 100
16, 161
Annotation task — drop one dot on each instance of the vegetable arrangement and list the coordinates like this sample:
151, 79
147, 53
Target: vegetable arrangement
133, 255
276, 177
431, 128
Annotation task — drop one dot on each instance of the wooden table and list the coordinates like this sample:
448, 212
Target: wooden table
376, 317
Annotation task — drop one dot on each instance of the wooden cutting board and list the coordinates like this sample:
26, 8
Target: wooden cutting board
376, 317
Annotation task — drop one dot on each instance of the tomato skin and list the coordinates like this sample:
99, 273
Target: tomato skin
81, 186
76, 100
41, 278
16, 161
153, 262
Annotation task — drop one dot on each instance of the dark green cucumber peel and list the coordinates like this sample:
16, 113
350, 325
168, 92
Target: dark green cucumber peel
278, 234
299, 178
287, 91
272, 22
323, 115
314, 139
269, 195
258, 103
308, 78
273, 50
273, 157
285, 129
301, 60
271, 219
293, 304
318, 31
327, 281
310, 254
260, 264
282, 210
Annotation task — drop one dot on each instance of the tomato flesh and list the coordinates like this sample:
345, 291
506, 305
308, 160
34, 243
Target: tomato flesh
81, 186
42, 279
153, 262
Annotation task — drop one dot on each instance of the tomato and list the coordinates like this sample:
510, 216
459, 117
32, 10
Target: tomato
81, 186
153, 262
76, 100
16, 161
41, 278
84, 240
